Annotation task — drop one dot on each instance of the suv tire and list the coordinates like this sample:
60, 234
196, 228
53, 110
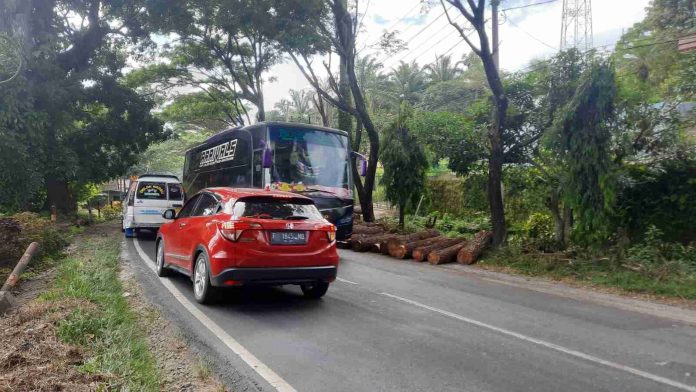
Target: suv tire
203, 291
162, 271
314, 290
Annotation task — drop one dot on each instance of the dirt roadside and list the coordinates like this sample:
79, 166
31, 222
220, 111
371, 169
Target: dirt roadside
33, 357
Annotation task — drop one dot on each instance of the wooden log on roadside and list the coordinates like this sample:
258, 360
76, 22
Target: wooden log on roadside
355, 238
473, 249
382, 243
361, 229
421, 253
421, 235
369, 243
445, 255
404, 251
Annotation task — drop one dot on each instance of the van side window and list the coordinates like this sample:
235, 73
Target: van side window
175, 192
131, 194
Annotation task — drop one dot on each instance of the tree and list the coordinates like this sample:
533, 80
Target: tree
404, 166
67, 112
337, 35
406, 82
581, 136
443, 69
474, 13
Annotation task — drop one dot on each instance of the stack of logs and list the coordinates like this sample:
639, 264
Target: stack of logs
426, 245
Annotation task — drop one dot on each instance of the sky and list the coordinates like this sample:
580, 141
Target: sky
525, 34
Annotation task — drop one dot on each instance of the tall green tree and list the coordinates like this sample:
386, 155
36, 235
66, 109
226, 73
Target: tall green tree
581, 136
67, 113
405, 164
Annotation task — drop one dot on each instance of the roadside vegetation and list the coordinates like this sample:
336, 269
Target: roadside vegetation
581, 164
108, 329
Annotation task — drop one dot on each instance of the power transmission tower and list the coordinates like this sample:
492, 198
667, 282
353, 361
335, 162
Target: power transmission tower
576, 25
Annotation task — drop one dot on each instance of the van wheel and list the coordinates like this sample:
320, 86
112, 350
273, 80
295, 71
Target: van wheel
203, 291
129, 233
314, 290
162, 271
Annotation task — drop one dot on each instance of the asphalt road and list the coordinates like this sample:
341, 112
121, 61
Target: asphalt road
389, 325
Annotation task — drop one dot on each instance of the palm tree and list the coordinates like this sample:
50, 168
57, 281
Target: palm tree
443, 69
406, 82
301, 104
371, 81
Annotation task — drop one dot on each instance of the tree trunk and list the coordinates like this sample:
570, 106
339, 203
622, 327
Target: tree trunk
346, 35
404, 239
59, 195
473, 249
404, 251
567, 224
420, 253
401, 215
445, 255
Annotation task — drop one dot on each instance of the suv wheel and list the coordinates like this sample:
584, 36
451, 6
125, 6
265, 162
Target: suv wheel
161, 269
314, 290
202, 289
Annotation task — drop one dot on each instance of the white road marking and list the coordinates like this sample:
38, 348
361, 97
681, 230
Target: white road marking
259, 367
345, 281
552, 346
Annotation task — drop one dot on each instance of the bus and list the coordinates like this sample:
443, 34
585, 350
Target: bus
306, 159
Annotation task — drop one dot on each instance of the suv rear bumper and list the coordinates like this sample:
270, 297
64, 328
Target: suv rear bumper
274, 276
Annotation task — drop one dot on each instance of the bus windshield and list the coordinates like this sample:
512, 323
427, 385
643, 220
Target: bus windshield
310, 161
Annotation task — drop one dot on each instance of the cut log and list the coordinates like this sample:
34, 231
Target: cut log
404, 251
384, 240
421, 253
368, 243
355, 238
361, 229
445, 255
421, 235
473, 249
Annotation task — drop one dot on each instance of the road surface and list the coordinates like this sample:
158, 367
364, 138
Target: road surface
394, 325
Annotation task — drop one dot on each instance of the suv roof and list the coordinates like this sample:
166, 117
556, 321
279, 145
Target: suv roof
158, 176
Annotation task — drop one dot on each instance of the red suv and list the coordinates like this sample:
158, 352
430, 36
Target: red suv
234, 237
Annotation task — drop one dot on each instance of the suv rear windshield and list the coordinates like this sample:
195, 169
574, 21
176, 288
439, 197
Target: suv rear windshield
272, 208
152, 190
175, 192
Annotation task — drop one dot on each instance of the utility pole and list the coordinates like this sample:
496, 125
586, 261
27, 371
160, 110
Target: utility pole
576, 25
494, 28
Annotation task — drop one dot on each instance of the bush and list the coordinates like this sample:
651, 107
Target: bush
33, 228
659, 259
110, 213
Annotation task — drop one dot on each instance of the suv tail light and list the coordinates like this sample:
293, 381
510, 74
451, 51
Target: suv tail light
232, 230
331, 233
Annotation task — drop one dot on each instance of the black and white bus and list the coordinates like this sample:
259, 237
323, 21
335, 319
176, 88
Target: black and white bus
307, 159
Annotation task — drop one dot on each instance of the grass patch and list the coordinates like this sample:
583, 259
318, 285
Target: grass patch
603, 270
110, 331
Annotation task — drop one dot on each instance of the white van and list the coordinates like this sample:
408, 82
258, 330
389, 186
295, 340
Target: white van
147, 198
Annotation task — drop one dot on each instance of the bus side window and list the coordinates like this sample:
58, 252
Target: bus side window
257, 168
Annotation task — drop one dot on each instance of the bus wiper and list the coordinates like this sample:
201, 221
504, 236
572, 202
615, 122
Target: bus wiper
295, 217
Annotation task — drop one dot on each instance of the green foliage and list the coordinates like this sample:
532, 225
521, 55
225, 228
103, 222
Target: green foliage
109, 213
539, 226
36, 228
110, 329
404, 166
581, 136
447, 224
658, 258
662, 196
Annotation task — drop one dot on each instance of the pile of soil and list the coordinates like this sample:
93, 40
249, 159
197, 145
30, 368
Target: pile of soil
32, 358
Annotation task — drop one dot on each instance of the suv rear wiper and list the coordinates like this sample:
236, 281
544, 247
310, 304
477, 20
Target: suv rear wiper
307, 190
295, 217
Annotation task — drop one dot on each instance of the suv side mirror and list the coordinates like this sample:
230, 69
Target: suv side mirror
169, 214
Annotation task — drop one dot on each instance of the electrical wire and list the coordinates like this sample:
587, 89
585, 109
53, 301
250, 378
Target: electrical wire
529, 5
